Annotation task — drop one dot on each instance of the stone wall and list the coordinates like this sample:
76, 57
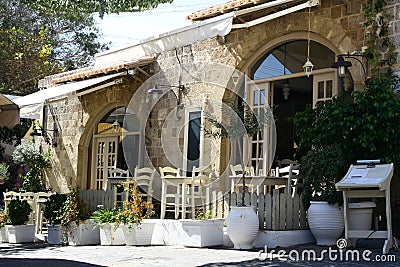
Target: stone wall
75, 119
336, 24
393, 8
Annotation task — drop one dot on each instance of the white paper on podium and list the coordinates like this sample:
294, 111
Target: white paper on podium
358, 172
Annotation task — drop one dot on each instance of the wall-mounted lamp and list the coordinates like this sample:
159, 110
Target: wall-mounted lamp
235, 78
37, 131
132, 72
160, 89
342, 64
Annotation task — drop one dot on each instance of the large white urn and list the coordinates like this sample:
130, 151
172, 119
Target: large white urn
242, 227
326, 222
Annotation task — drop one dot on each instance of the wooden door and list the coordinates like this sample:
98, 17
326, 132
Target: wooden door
105, 152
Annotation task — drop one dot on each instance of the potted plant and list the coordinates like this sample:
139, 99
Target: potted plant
241, 121
322, 169
53, 212
18, 212
28, 153
75, 219
204, 231
110, 233
3, 222
133, 217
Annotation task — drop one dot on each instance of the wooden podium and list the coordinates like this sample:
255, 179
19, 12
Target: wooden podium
366, 180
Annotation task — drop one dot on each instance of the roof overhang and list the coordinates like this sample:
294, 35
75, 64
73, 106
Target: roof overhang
31, 105
281, 13
210, 28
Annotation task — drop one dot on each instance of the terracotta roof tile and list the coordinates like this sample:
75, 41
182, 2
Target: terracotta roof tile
94, 71
222, 8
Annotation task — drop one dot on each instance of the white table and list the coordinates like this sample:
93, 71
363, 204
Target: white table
257, 181
181, 183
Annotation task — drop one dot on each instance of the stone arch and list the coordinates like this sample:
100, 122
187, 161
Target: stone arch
87, 136
324, 30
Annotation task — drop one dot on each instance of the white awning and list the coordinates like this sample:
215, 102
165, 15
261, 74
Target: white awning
199, 31
31, 105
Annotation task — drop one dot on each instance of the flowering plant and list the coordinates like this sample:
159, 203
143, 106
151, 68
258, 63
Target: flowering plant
27, 153
3, 218
134, 208
74, 209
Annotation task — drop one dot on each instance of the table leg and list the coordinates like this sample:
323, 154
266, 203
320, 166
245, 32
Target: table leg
183, 200
163, 199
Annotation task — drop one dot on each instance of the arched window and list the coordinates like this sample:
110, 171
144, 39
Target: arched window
289, 58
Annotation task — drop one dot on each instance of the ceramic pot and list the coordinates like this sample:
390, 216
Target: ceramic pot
21, 233
203, 233
242, 227
360, 215
3, 235
86, 233
110, 236
55, 234
139, 235
326, 222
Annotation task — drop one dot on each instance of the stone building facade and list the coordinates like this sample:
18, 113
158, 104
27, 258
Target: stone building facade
206, 67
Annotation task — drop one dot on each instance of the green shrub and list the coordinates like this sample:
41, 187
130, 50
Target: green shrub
18, 212
105, 216
54, 208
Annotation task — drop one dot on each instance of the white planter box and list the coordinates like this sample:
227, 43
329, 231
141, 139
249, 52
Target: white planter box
139, 235
110, 236
84, 234
21, 233
203, 233
55, 235
3, 235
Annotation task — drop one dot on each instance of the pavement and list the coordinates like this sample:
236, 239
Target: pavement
42, 255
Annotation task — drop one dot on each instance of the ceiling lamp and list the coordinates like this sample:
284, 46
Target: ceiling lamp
308, 66
286, 89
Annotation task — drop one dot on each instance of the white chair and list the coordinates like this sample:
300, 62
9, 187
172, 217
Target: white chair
170, 191
115, 177
144, 178
40, 202
292, 173
237, 171
286, 162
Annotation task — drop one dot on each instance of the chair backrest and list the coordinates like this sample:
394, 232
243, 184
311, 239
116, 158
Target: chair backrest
237, 170
203, 171
144, 177
285, 162
199, 177
170, 172
118, 173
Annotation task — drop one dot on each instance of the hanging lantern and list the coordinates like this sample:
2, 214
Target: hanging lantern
308, 67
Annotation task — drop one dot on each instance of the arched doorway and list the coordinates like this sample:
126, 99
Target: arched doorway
109, 140
280, 79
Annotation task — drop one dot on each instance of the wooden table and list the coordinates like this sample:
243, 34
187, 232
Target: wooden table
181, 183
257, 181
